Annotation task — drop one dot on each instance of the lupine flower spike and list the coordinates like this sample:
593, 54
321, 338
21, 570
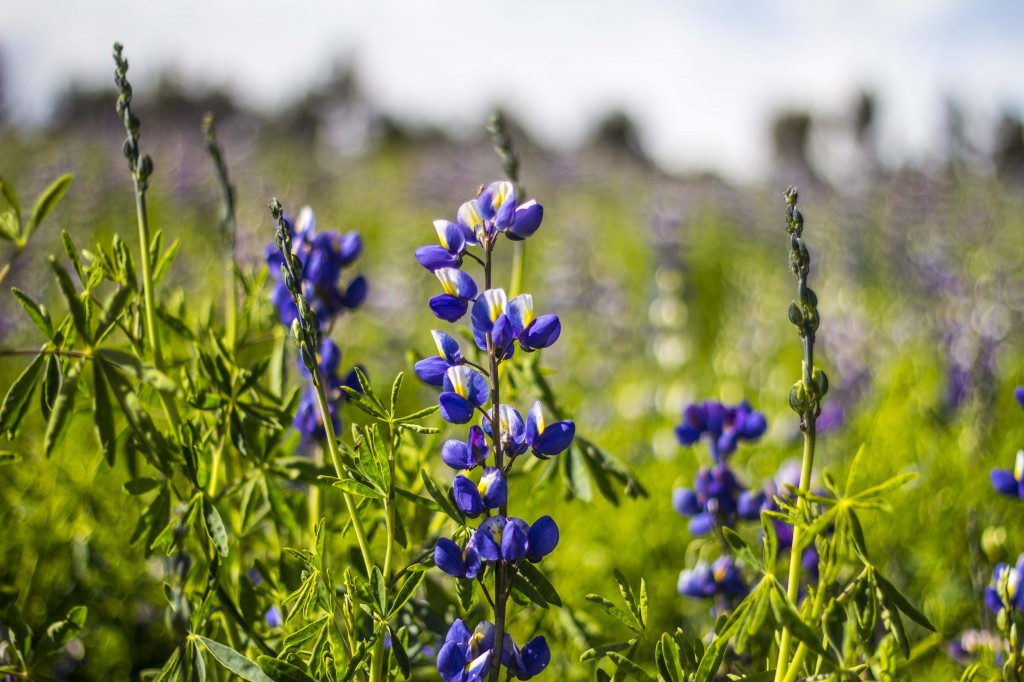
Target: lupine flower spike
500, 544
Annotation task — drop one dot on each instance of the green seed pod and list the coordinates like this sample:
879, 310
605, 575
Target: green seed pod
798, 397
820, 382
795, 315
145, 167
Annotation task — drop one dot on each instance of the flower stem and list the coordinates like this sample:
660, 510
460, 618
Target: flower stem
805, 399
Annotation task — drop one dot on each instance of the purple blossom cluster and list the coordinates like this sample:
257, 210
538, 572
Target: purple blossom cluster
322, 256
717, 499
484, 460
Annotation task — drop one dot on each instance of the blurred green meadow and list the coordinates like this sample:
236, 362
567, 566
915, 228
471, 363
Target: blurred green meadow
671, 290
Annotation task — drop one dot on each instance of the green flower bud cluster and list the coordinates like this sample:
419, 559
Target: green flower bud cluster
806, 394
141, 167
306, 327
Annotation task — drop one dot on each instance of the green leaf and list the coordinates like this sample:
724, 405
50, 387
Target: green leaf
137, 417
103, 414
197, 662
10, 228
363, 403
307, 632
395, 388
282, 671
36, 312
643, 603
112, 309
601, 651
62, 632
788, 616
712, 659
75, 305
380, 590
12, 199
398, 648
446, 505
631, 668
424, 502
539, 582
406, 591
528, 594
627, 595
419, 414
770, 543
172, 668
666, 653
63, 406
234, 661
72, 254
215, 527
53, 377
15, 403
141, 486
357, 488
615, 612
884, 488
8, 457
163, 265
46, 202
134, 367
364, 383
901, 602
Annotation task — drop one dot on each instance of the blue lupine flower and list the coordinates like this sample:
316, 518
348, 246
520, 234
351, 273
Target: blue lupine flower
721, 578
431, 370
528, 219
449, 253
460, 563
533, 333
473, 226
1018, 393
476, 498
459, 290
465, 656
496, 207
461, 455
513, 431
322, 257
724, 425
714, 499
464, 388
497, 203
504, 538
489, 317
1005, 591
547, 439
1009, 482
273, 617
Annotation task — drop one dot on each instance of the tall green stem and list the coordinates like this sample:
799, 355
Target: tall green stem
152, 327
805, 399
141, 168
332, 449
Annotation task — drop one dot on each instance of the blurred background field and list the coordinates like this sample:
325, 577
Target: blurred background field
672, 287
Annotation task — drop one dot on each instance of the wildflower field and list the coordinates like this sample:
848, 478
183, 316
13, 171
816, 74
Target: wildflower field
470, 409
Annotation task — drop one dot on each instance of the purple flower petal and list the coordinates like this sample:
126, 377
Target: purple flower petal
543, 538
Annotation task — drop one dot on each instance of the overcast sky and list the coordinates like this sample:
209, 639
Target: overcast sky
701, 79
